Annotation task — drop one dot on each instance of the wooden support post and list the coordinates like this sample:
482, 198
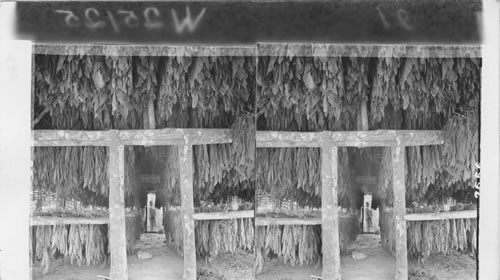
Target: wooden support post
117, 238
399, 188
329, 213
187, 205
151, 114
364, 116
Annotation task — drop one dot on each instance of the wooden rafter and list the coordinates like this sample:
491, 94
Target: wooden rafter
142, 50
298, 49
368, 50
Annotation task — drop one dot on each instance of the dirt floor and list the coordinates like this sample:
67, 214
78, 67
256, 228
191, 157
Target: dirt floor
168, 265
379, 265
164, 265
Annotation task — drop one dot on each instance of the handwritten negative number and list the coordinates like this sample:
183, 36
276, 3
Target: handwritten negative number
149, 13
93, 19
93, 22
403, 19
130, 20
70, 19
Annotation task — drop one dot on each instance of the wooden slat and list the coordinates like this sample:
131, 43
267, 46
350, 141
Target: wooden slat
468, 214
43, 221
374, 138
117, 238
224, 215
329, 213
143, 50
368, 50
268, 221
187, 206
147, 137
399, 190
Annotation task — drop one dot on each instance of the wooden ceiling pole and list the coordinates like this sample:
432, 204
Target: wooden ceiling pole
329, 213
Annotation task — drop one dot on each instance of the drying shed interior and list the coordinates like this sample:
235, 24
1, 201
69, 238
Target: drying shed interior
360, 99
169, 118
101, 123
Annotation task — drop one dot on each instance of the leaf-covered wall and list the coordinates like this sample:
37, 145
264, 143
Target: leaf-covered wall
97, 92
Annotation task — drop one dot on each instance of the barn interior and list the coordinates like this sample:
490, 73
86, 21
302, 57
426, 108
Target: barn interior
304, 96
202, 97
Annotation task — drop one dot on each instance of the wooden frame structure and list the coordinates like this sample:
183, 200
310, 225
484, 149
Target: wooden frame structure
184, 139
115, 140
396, 140
329, 142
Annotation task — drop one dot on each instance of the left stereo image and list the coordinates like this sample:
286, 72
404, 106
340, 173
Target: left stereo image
142, 164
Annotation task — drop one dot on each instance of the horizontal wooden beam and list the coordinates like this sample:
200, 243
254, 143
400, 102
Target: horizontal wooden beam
368, 50
265, 139
145, 137
419, 137
224, 215
468, 214
47, 220
175, 136
374, 138
71, 138
142, 50
285, 139
273, 49
268, 221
